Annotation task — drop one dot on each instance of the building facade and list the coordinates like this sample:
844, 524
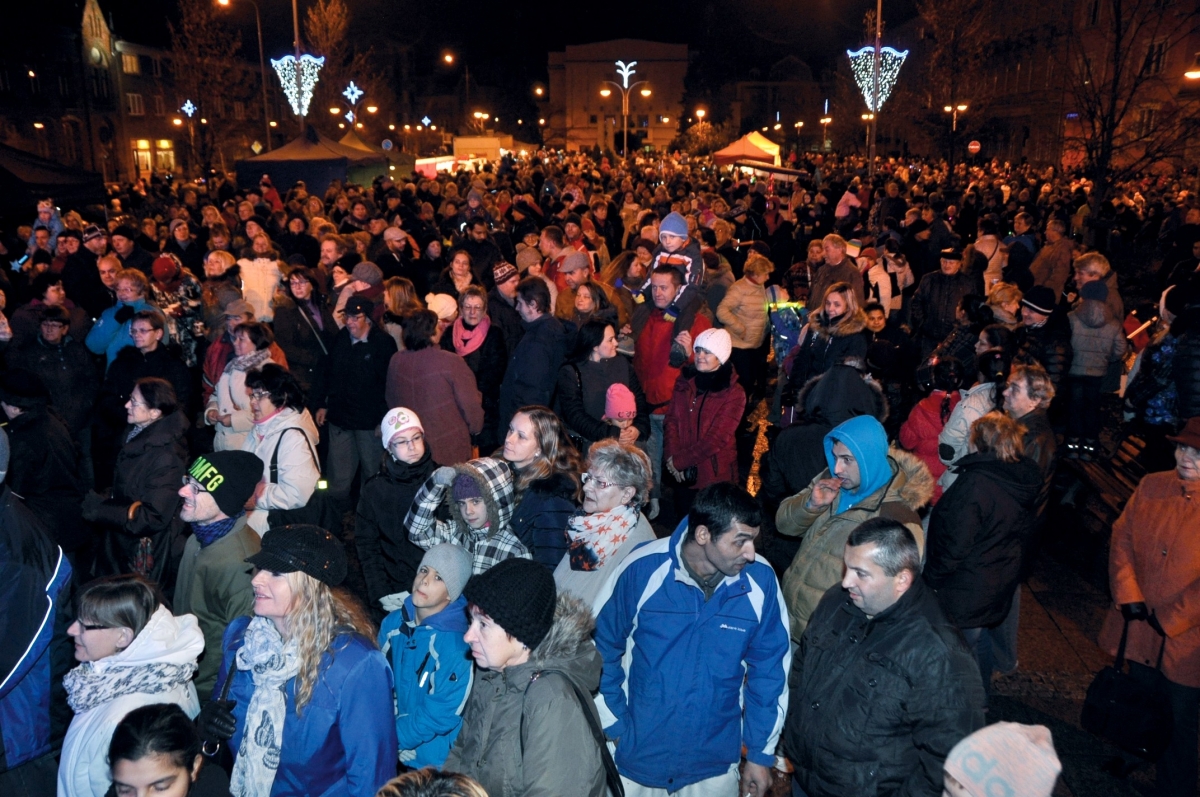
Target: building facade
578, 116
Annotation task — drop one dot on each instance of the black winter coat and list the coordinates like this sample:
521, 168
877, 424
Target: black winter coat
389, 559
826, 345
130, 366
44, 470
935, 301
533, 367
81, 281
144, 504
505, 316
540, 519
306, 346
353, 389
1048, 345
877, 704
582, 388
1185, 366
69, 374
977, 534
488, 364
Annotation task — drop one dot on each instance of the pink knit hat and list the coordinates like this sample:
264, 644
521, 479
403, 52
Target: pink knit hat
1006, 758
619, 403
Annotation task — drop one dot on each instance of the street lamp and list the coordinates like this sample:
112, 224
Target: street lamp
700, 112
1194, 72
825, 122
262, 64
625, 71
868, 118
954, 111
481, 118
449, 59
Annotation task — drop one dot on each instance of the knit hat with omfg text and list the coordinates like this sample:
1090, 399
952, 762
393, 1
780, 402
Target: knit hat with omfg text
229, 477
619, 403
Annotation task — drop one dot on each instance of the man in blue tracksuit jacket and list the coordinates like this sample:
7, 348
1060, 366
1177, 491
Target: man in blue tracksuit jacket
694, 636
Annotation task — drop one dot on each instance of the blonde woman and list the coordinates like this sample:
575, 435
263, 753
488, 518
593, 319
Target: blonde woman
309, 707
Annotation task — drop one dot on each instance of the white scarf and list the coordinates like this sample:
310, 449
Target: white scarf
87, 688
271, 664
596, 537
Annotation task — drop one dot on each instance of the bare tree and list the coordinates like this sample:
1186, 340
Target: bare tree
207, 71
327, 30
1126, 112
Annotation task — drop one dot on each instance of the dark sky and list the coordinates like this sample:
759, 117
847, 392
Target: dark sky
506, 43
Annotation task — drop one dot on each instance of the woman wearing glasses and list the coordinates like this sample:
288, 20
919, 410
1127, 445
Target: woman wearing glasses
138, 516
132, 652
285, 438
228, 409
615, 487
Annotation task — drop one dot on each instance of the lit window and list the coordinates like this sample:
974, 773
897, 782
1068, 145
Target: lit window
130, 64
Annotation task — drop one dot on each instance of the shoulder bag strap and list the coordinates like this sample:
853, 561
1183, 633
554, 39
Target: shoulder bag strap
611, 776
313, 327
1120, 661
275, 455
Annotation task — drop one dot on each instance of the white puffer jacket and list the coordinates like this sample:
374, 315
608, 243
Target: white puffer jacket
83, 769
298, 468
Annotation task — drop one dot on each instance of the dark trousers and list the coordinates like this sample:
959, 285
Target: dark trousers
1176, 770
1083, 395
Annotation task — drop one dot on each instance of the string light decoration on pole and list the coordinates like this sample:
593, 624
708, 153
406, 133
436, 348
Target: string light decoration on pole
875, 71
299, 77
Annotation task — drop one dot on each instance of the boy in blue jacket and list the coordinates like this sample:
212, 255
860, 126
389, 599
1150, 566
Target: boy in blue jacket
423, 642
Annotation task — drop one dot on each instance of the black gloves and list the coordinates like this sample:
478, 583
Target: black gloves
216, 722
1134, 611
123, 314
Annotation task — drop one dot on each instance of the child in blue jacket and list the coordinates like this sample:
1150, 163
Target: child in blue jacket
431, 666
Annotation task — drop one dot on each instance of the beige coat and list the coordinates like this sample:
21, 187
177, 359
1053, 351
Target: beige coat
743, 313
818, 563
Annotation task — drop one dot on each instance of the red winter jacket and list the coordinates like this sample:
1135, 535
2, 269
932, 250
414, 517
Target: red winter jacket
699, 427
652, 354
919, 434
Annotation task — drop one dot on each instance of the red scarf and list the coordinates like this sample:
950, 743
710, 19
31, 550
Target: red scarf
467, 341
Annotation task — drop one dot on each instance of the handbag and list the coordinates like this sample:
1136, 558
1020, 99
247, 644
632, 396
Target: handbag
319, 511
1134, 715
611, 776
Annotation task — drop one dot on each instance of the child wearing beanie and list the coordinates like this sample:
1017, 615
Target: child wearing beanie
620, 406
423, 642
1004, 758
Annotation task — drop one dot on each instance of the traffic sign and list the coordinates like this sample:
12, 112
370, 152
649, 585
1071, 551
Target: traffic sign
387, 144
973, 147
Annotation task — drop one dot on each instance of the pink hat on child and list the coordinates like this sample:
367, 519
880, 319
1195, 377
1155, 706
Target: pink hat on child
1006, 758
619, 403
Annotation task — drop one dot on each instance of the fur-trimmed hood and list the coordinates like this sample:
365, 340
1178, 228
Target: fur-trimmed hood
912, 483
851, 324
566, 648
494, 477
558, 485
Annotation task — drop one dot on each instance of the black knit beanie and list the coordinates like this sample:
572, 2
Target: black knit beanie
518, 594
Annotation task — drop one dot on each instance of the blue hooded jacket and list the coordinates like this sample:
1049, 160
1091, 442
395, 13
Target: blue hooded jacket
867, 441
432, 670
109, 335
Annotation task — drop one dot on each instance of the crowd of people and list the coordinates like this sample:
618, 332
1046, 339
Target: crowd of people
447, 479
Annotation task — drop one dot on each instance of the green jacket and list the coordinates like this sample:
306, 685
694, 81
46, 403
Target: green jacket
818, 563
214, 585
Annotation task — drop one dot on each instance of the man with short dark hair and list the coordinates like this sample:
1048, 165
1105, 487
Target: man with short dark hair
502, 304
882, 685
484, 252
351, 398
146, 357
693, 632
124, 243
553, 245
533, 365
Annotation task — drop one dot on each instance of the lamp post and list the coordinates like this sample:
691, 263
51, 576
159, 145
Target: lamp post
954, 111
481, 118
262, 62
626, 71
449, 58
869, 118
825, 122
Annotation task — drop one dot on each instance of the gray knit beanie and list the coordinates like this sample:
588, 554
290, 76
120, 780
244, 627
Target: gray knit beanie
453, 563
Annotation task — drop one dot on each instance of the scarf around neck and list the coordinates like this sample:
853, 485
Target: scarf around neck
468, 340
249, 361
271, 664
207, 534
86, 688
596, 537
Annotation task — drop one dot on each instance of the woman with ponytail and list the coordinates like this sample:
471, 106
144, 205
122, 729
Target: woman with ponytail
919, 433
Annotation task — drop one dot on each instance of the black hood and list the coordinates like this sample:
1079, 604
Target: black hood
1021, 479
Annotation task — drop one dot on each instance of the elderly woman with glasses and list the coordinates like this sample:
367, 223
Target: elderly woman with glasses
132, 652
228, 409
615, 487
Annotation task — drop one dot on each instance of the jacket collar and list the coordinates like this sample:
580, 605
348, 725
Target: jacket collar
729, 586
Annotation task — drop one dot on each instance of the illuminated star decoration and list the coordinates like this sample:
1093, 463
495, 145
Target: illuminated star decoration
862, 64
299, 91
188, 108
350, 117
352, 93
626, 71
425, 121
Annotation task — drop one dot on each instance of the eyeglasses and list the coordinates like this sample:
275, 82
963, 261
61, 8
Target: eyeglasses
259, 395
135, 403
188, 481
603, 485
410, 442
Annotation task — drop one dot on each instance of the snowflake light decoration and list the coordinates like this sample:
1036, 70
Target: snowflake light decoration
350, 117
425, 120
298, 79
862, 64
626, 71
188, 108
352, 93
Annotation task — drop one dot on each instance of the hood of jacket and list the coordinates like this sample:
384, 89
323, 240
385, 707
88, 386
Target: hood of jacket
556, 485
867, 441
842, 393
452, 619
1093, 313
287, 418
567, 647
849, 324
166, 639
495, 481
1021, 479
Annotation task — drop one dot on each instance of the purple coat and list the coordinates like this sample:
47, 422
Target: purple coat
439, 387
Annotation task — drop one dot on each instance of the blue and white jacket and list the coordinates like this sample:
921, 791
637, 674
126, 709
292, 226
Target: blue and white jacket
432, 670
679, 667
